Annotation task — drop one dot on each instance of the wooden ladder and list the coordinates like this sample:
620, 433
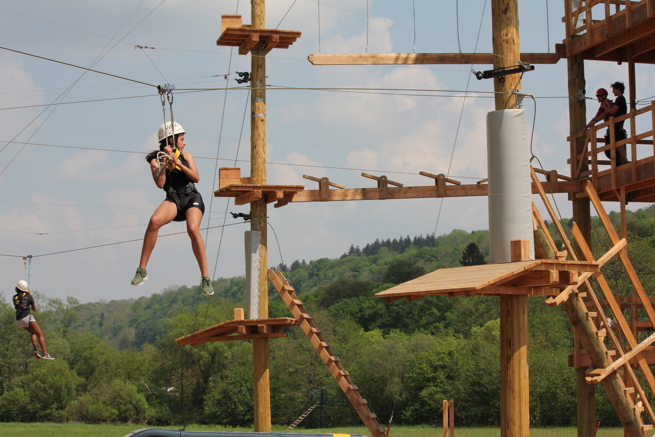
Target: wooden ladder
303, 415
288, 295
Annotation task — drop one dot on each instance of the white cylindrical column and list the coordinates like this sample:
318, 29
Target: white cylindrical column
510, 185
252, 242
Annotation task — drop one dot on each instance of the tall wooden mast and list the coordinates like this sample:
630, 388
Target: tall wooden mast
261, 377
515, 382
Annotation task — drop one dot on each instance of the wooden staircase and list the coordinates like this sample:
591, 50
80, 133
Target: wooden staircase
288, 295
623, 355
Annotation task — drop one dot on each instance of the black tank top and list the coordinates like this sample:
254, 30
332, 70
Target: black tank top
176, 178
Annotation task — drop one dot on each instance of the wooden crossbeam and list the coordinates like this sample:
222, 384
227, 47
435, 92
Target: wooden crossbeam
422, 58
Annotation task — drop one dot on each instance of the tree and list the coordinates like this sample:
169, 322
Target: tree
343, 288
402, 271
471, 256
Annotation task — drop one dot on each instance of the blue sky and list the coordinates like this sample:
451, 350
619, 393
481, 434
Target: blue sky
78, 194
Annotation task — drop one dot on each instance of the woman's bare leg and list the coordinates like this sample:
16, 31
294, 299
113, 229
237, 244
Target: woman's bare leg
193, 219
164, 214
35, 330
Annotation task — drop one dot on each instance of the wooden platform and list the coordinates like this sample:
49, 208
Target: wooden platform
239, 330
235, 34
610, 35
638, 179
534, 277
231, 184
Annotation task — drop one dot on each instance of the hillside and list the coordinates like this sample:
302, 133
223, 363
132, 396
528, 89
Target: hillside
118, 361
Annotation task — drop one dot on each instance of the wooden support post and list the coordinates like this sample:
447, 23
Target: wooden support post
449, 418
261, 377
445, 418
514, 381
582, 216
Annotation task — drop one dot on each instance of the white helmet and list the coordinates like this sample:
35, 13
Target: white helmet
177, 129
22, 285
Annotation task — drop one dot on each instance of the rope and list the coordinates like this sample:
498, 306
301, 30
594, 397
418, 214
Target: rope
459, 44
547, 27
227, 205
366, 26
27, 263
414, 13
285, 16
459, 122
319, 26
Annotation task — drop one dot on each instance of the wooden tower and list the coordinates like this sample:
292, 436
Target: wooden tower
616, 354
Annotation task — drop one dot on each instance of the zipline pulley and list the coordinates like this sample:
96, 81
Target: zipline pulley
246, 217
244, 75
500, 73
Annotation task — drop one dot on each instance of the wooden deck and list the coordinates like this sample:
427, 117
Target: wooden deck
239, 330
534, 277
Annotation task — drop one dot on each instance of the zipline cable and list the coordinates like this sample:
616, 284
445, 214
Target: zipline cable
77, 66
115, 243
68, 89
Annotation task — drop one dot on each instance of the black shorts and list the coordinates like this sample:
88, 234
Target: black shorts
193, 199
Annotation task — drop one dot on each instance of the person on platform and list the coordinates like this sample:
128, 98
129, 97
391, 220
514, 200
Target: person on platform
609, 109
24, 303
175, 171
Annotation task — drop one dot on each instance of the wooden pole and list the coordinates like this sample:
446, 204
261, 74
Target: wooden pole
261, 376
514, 380
582, 216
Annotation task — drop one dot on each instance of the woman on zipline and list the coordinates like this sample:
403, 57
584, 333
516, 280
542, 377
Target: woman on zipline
24, 302
175, 172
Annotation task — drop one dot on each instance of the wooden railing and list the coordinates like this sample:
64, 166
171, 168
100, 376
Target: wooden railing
639, 125
598, 20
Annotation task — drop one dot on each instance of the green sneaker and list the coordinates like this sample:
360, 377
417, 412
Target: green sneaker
206, 285
140, 277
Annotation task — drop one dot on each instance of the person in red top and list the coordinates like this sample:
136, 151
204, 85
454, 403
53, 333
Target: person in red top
609, 109
23, 302
604, 110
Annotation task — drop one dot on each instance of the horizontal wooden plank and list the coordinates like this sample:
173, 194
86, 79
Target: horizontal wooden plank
422, 58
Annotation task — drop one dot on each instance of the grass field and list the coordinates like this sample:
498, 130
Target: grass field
83, 430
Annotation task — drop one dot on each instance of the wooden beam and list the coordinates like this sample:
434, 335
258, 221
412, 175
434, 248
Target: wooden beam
598, 375
248, 197
421, 58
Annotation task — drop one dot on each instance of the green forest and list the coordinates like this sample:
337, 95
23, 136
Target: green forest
117, 361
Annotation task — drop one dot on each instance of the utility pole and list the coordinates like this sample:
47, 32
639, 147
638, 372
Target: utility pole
261, 374
514, 376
